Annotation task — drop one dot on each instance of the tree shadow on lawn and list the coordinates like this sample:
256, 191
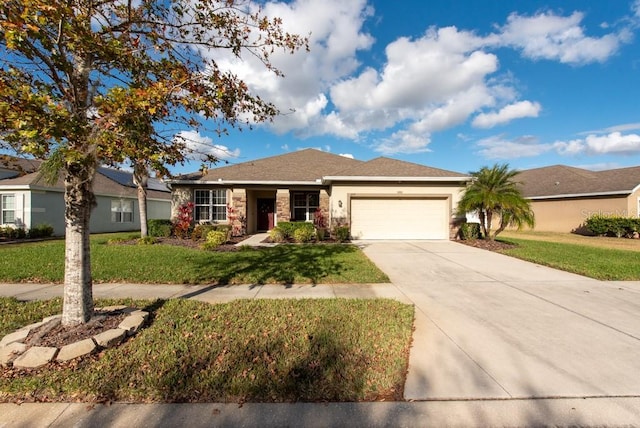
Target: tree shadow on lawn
284, 264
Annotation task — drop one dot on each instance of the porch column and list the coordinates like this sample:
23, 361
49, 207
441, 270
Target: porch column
324, 205
283, 205
238, 214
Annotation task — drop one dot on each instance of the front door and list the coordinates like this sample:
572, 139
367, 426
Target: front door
265, 213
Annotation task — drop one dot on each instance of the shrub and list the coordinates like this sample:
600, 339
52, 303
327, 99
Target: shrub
227, 229
304, 234
159, 228
215, 238
341, 233
147, 240
40, 231
287, 228
14, 232
603, 225
183, 221
469, 231
200, 231
276, 235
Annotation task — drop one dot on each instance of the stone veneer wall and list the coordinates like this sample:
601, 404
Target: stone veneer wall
239, 205
283, 205
179, 196
324, 204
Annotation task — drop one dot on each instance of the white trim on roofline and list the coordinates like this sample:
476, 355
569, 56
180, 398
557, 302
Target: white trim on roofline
248, 182
395, 179
579, 195
30, 188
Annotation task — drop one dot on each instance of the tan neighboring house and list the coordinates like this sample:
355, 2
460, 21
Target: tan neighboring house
380, 199
27, 201
563, 197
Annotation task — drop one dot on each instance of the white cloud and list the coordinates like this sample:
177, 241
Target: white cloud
201, 147
614, 143
616, 128
549, 36
402, 142
499, 147
347, 155
506, 114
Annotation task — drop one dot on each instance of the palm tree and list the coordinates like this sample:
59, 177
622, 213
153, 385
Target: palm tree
495, 193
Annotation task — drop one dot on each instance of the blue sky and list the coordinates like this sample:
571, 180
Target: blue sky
453, 84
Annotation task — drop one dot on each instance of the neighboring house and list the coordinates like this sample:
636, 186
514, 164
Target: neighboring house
563, 197
379, 199
27, 201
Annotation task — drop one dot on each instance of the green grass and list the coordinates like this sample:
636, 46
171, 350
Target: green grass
599, 263
326, 263
248, 350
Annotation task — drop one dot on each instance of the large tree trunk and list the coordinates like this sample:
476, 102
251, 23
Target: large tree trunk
141, 178
79, 201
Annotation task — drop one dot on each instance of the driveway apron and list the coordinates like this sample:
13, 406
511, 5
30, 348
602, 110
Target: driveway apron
489, 326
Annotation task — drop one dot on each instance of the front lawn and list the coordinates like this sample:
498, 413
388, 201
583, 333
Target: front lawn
595, 262
164, 264
248, 350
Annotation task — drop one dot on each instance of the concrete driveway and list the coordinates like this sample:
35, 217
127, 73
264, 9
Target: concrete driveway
493, 327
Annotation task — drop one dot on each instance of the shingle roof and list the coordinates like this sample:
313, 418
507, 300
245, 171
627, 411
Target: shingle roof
386, 167
19, 165
304, 165
559, 180
103, 184
310, 165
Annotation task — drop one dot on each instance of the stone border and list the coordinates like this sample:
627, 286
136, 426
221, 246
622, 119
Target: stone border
14, 352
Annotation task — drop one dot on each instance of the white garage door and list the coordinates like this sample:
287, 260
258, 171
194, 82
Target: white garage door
399, 218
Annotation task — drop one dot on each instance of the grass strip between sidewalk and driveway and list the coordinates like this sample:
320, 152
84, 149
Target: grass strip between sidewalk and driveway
247, 350
595, 262
166, 264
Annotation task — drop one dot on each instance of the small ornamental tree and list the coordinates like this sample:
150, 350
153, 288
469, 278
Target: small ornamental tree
85, 83
183, 220
494, 193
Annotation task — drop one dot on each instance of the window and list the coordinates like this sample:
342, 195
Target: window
210, 205
305, 205
121, 211
8, 209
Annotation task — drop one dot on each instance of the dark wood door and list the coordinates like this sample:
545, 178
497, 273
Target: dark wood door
265, 213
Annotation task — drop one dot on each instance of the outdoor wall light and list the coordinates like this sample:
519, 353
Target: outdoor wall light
340, 204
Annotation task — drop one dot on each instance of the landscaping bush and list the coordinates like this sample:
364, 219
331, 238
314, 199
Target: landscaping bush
13, 232
304, 233
159, 228
226, 228
603, 225
215, 238
469, 231
276, 235
200, 231
341, 233
288, 228
147, 240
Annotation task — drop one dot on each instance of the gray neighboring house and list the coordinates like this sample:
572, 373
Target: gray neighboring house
379, 199
564, 197
27, 201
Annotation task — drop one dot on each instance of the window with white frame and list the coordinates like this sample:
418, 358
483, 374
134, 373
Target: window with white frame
121, 211
210, 205
304, 205
8, 202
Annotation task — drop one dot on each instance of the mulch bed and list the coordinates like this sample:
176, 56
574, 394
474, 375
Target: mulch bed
496, 246
54, 334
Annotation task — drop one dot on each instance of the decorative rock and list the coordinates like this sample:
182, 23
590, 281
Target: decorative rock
112, 308
77, 349
52, 317
143, 314
35, 356
132, 324
17, 336
10, 352
110, 337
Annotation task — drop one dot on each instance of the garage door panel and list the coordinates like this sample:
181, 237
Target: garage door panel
399, 218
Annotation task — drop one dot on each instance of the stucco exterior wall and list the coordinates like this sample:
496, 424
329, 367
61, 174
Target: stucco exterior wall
48, 208
340, 194
158, 209
569, 215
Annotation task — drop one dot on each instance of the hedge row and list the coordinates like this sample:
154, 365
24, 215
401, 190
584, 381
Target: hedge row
38, 231
603, 225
